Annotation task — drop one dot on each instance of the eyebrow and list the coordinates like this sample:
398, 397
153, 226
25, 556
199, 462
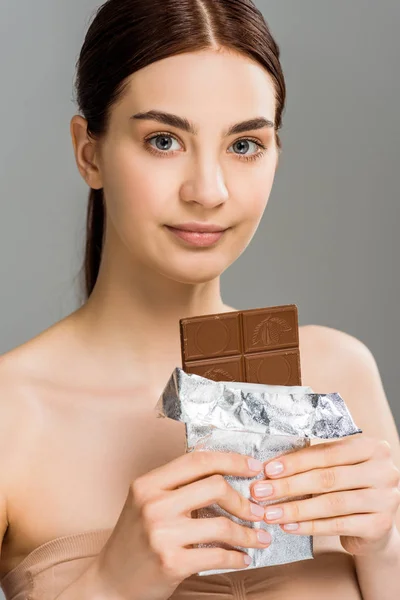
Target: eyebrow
186, 125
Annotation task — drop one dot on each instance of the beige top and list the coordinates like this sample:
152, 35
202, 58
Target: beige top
52, 567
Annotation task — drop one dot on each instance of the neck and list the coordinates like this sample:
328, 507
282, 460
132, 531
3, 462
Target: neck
132, 317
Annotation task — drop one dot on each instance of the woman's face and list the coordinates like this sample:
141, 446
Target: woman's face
158, 178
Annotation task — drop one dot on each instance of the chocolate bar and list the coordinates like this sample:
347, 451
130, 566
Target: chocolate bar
257, 346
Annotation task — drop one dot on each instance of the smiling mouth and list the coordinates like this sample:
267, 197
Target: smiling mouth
196, 236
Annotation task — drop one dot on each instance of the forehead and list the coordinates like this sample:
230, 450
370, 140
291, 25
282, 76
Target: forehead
207, 84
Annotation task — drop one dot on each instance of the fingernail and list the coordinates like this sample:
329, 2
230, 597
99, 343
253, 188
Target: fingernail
257, 510
273, 513
254, 464
291, 526
264, 537
247, 560
263, 489
274, 468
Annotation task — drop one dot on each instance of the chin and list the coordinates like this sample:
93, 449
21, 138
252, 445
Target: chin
193, 277
201, 270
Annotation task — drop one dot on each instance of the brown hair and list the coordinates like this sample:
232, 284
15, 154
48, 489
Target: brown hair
128, 35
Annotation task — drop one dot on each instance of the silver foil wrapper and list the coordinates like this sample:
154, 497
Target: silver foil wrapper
262, 421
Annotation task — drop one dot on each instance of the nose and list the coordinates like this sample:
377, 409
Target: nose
206, 186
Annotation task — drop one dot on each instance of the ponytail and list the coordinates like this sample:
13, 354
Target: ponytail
94, 239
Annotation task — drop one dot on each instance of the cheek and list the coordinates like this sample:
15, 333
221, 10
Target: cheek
254, 198
133, 192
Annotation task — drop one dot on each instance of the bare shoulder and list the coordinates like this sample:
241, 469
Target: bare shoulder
41, 359
9, 402
330, 356
335, 361
22, 372
14, 400
13, 420
17, 368
21, 376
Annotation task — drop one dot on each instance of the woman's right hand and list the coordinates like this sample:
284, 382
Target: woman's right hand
150, 551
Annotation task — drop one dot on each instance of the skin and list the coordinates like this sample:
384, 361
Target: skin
123, 344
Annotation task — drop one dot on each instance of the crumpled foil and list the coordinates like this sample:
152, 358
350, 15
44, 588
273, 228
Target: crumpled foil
262, 421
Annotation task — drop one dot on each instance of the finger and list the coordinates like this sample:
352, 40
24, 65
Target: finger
196, 560
369, 526
191, 467
211, 490
320, 481
347, 451
329, 505
221, 530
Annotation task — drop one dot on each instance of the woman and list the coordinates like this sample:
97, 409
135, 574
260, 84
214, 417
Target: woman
182, 102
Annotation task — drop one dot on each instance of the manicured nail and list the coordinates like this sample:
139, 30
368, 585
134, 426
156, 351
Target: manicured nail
247, 560
273, 513
274, 468
263, 489
264, 537
254, 464
291, 526
257, 510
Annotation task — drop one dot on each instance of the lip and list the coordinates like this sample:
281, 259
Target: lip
198, 227
198, 234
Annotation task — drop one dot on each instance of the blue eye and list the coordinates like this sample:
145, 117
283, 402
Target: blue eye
166, 147
246, 141
164, 138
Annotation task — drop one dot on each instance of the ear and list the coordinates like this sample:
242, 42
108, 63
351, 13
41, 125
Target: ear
85, 152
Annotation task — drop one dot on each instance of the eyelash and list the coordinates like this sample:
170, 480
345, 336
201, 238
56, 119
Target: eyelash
168, 153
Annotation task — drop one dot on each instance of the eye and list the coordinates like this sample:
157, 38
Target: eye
163, 141
245, 142
163, 146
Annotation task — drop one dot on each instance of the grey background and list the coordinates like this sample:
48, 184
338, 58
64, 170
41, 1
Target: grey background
328, 241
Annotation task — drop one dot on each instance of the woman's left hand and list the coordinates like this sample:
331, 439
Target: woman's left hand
358, 492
